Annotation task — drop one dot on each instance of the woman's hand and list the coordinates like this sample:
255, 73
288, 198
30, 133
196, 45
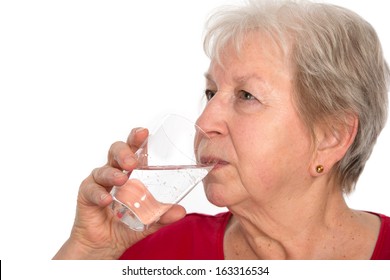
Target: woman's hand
96, 233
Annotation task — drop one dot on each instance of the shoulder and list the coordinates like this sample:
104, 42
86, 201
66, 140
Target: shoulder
196, 236
382, 247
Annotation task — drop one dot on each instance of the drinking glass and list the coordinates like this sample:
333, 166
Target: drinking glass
171, 162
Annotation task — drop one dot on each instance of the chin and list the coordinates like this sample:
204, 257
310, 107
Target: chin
215, 194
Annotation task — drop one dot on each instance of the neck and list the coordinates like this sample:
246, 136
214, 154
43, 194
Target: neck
290, 227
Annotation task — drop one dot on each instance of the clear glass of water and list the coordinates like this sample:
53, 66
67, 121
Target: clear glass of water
171, 162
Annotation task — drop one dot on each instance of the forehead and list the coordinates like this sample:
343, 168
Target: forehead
257, 54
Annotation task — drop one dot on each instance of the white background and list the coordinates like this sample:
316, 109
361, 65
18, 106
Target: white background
75, 76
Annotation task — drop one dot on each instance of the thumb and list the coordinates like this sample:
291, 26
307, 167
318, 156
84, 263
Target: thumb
175, 213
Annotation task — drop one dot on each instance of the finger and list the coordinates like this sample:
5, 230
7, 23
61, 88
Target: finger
108, 176
93, 194
136, 137
121, 156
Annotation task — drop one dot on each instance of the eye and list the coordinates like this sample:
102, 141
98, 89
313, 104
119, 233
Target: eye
244, 95
209, 94
246, 102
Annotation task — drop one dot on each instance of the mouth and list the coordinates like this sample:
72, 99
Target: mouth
217, 162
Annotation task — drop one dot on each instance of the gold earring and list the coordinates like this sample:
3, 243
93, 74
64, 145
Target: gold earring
319, 168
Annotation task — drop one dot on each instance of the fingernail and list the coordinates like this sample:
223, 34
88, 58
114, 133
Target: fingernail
119, 174
139, 129
129, 160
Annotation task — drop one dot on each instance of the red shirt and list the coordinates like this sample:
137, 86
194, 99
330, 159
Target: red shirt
200, 237
382, 247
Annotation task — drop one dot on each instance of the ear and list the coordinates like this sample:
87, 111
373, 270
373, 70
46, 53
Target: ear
332, 143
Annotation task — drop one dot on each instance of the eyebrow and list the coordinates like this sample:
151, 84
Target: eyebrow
241, 79
207, 75
238, 79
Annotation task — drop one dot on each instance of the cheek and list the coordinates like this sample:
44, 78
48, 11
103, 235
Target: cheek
256, 174
272, 157
254, 163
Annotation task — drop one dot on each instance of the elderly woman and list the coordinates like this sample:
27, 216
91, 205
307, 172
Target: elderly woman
296, 97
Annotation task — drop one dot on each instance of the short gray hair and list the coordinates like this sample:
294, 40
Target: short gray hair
339, 67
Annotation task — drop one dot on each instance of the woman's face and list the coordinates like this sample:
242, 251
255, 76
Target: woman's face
263, 147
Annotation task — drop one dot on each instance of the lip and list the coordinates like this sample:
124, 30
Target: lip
218, 163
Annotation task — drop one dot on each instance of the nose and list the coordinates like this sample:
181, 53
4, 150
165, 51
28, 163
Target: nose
213, 118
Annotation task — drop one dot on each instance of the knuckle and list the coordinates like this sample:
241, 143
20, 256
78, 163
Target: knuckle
96, 172
115, 145
117, 151
114, 148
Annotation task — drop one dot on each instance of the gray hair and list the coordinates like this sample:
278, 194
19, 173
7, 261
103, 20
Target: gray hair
339, 67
